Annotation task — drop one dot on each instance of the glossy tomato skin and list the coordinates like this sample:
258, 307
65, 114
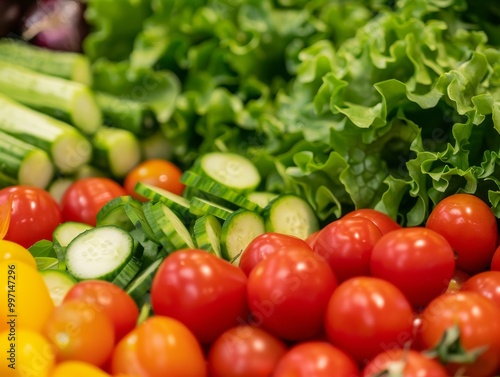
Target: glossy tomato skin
265, 244
110, 299
80, 332
206, 293
417, 260
470, 227
311, 240
85, 197
245, 351
495, 262
316, 359
416, 364
158, 347
159, 173
486, 283
347, 246
383, 221
35, 214
290, 288
366, 316
479, 324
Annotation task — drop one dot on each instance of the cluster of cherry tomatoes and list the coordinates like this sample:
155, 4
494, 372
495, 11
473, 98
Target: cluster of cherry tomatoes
361, 297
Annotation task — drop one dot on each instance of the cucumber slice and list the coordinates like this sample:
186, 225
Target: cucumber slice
238, 231
292, 215
174, 232
200, 207
99, 253
59, 283
175, 202
142, 282
113, 212
128, 273
155, 227
58, 187
207, 234
64, 234
232, 170
218, 190
136, 217
261, 198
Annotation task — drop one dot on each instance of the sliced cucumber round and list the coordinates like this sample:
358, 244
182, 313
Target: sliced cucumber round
99, 253
292, 215
232, 170
239, 229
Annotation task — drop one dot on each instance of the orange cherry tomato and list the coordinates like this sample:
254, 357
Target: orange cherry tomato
80, 332
160, 173
159, 346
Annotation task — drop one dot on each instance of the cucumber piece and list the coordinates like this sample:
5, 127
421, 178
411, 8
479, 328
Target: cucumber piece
99, 253
238, 231
261, 198
175, 202
155, 227
218, 190
136, 217
88, 171
24, 163
58, 187
174, 232
64, 64
70, 101
133, 116
115, 150
207, 234
147, 250
64, 234
200, 207
59, 283
231, 170
156, 146
67, 147
292, 215
113, 212
141, 284
128, 273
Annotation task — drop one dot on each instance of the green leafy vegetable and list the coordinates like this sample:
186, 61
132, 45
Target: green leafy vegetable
390, 105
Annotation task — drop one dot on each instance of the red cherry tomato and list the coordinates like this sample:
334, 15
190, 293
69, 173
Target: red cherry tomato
160, 173
85, 197
206, 293
288, 293
470, 227
35, 214
495, 262
383, 221
486, 283
411, 363
159, 347
312, 239
478, 321
245, 351
80, 332
316, 359
419, 261
347, 245
113, 301
366, 316
265, 244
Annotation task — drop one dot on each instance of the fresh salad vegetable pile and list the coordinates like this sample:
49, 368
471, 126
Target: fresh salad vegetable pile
229, 281
250, 188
